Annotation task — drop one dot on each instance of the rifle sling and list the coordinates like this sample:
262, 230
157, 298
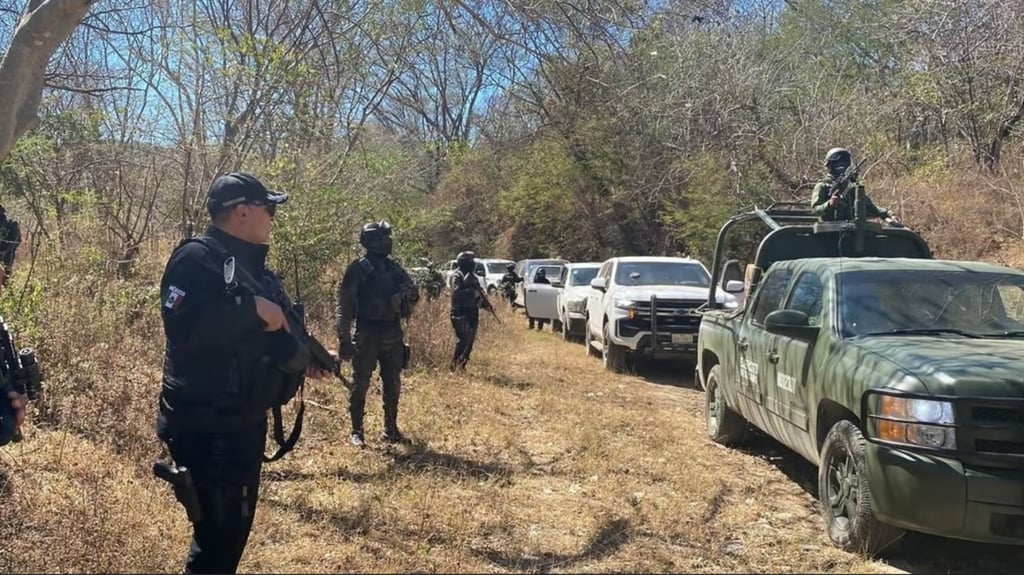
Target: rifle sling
286, 445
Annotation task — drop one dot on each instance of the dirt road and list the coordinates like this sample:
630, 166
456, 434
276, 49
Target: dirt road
919, 553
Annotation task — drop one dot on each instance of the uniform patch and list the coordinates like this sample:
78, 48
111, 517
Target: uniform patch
174, 298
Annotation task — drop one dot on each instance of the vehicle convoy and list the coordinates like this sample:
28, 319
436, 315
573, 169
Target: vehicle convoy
646, 306
900, 376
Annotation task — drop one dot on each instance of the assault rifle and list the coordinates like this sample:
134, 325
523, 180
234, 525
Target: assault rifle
487, 302
319, 354
21, 373
841, 187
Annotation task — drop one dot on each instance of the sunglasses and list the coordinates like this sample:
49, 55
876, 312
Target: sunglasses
271, 208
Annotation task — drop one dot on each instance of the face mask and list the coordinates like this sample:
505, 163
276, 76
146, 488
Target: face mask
839, 168
381, 247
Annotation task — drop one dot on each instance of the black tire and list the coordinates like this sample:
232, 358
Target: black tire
556, 325
614, 356
724, 426
844, 491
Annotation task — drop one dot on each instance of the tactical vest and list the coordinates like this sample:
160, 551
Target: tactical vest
466, 296
381, 301
280, 372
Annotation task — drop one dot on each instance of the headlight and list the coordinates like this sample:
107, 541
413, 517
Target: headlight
626, 304
576, 305
910, 421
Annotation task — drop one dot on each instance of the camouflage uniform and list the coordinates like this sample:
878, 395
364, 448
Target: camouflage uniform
844, 211
837, 161
508, 285
377, 293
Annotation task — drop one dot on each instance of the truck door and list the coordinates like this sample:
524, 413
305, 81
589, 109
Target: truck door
789, 394
595, 301
541, 300
755, 345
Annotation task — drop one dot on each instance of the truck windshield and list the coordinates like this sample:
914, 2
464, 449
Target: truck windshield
960, 303
582, 276
661, 273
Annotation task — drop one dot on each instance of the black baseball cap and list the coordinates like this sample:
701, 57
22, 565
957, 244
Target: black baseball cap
236, 188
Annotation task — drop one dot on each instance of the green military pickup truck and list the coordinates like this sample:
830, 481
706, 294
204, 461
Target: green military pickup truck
900, 376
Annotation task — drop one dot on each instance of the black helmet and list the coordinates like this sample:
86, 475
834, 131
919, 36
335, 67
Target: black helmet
837, 160
376, 238
510, 267
466, 261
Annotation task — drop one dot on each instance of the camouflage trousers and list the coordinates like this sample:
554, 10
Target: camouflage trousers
387, 349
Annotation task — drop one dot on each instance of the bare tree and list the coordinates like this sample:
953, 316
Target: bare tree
42, 27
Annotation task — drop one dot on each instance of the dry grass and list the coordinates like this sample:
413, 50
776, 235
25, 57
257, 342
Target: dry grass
536, 460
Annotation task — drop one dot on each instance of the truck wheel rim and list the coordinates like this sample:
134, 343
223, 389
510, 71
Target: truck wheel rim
842, 488
713, 407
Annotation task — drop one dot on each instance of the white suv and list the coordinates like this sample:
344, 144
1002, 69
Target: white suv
490, 272
572, 297
620, 322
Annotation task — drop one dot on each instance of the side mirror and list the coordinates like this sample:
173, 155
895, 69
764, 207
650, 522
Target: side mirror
600, 284
556, 283
734, 286
732, 270
790, 322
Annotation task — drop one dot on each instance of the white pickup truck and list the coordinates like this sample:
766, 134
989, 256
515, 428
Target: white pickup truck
645, 306
573, 291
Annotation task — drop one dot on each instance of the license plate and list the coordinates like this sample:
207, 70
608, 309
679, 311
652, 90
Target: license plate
682, 338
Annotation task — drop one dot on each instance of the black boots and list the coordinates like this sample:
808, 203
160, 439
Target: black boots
391, 433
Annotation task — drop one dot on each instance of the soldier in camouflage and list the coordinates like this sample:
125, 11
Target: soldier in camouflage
831, 203
378, 294
508, 283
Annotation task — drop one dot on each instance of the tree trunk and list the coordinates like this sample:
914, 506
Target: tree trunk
44, 25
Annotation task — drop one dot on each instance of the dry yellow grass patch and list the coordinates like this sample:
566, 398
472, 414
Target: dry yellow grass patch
536, 460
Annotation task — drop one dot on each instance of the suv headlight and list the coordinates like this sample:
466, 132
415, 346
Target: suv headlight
911, 421
626, 304
576, 305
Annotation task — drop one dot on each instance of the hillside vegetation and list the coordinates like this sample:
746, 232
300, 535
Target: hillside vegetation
513, 129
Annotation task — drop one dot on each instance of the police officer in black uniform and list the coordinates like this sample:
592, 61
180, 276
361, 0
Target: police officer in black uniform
230, 356
467, 299
10, 239
377, 294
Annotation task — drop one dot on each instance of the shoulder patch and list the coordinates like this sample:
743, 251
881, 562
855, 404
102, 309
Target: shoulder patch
174, 298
